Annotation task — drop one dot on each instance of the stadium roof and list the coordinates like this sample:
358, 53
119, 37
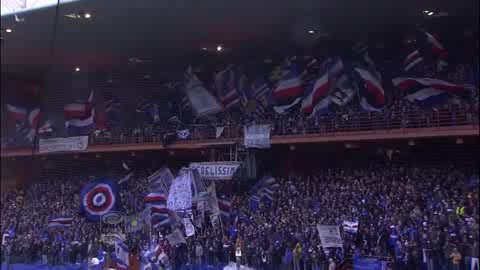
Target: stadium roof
117, 32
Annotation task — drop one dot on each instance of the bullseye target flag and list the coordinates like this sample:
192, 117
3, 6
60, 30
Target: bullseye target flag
97, 199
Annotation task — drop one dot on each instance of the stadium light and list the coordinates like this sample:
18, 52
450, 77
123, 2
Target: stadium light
219, 48
8, 30
87, 15
311, 31
430, 13
77, 69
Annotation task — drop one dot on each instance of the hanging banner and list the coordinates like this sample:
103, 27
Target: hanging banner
180, 195
257, 136
67, 144
216, 170
329, 236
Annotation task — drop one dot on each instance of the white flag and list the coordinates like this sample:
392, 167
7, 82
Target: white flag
176, 237
203, 102
219, 132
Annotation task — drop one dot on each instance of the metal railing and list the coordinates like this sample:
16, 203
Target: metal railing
362, 121
327, 126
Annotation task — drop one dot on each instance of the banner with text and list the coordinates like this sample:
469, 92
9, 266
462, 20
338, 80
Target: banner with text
257, 136
67, 144
216, 170
329, 236
180, 195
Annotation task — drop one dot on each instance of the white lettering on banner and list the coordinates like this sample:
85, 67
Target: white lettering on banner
330, 236
257, 136
216, 170
67, 144
180, 195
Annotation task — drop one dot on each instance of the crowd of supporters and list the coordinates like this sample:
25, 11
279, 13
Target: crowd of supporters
397, 113
414, 216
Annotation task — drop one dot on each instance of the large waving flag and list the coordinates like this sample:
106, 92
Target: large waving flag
225, 206
155, 198
320, 89
226, 85
263, 190
288, 91
161, 180
121, 256
413, 59
32, 124
59, 222
79, 110
80, 116
370, 90
98, 198
113, 111
426, 47
159, 215
16, 113
77, 127
428, 91
202, 101
156, 203
261, 93
343, 91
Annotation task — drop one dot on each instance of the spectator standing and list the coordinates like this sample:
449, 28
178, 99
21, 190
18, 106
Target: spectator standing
456, 258
297, 255
331, 265
198, 255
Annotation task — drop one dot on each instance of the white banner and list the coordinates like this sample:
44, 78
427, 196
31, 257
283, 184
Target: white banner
216, 170
180, 195
329, 236
257, 136
189, 229
79, 143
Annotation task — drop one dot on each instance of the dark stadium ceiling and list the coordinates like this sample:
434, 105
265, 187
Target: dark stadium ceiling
165, 31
